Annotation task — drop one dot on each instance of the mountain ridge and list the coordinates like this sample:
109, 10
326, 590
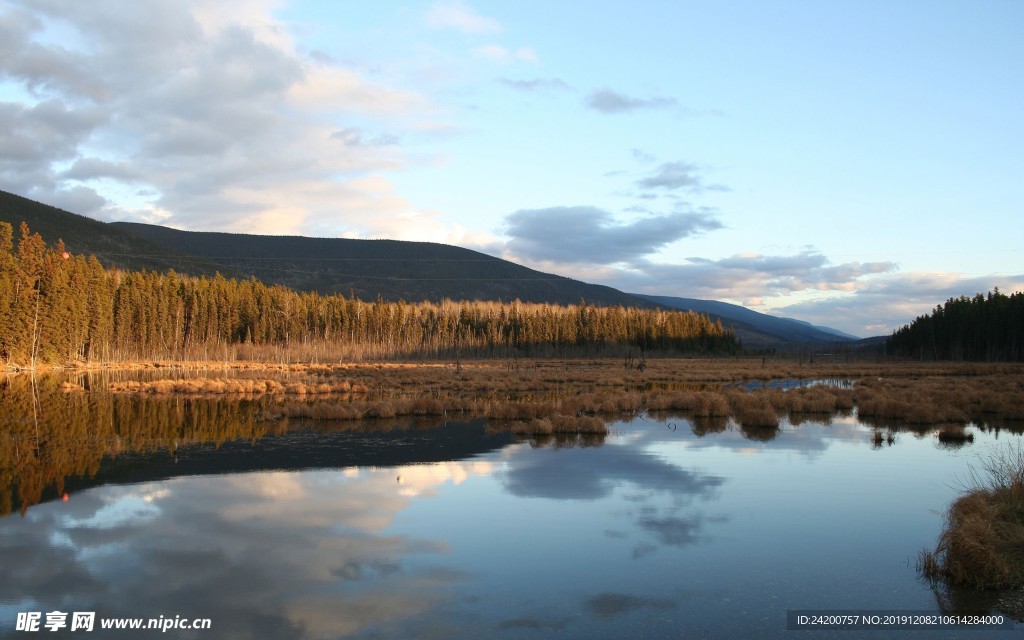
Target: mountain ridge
390, 269
84, 235
753, 327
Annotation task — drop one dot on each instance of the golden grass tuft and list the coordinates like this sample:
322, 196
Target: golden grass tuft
753, 410
230, 386
982, 545
559, 424
697, 403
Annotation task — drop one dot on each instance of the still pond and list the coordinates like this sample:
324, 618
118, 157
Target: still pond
662, 529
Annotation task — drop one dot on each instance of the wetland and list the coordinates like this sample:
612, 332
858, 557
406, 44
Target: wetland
577, 498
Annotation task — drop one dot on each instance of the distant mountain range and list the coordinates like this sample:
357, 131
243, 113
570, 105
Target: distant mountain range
389, 269
754, 328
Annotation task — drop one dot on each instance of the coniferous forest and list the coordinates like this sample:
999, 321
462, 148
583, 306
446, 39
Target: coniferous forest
989, 328
59, 308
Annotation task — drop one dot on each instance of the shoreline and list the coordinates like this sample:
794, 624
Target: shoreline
884, 395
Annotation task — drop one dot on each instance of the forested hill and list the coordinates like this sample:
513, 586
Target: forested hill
980, 328
112, 246
56, 307
391, 269
753, 328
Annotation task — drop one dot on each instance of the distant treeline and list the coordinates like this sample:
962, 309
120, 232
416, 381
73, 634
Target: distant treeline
56, 307
980, 328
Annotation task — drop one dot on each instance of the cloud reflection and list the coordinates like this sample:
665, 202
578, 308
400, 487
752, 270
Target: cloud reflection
590, 474
632, 465
610, 605
268, 555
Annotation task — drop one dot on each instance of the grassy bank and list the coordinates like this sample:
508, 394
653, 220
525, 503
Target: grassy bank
890, 396
545, 396
982, 546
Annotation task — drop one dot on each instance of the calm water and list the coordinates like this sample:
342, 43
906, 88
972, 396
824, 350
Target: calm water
450, 531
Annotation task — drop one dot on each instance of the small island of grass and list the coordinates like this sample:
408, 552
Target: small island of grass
982, 546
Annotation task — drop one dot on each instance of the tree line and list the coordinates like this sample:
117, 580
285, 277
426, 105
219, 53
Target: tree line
989, 328
58, 308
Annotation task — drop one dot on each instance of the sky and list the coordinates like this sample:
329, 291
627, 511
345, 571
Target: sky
848, 163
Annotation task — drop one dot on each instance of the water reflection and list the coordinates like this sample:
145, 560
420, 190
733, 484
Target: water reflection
52, 442
265, 555
593, 474
609, 605
667, 527
785, 384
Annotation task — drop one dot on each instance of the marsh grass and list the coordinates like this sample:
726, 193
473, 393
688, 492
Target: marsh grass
233, 386
982, 544
886, 396
754, 410
935, 400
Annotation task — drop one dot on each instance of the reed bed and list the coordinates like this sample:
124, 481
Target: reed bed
754, 411
657, 370
982, 545
234, 386
559, 424
895, 395
934, 400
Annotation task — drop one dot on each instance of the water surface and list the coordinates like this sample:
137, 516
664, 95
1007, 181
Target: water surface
421, 530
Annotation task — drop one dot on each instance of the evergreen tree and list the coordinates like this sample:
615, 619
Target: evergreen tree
980, 328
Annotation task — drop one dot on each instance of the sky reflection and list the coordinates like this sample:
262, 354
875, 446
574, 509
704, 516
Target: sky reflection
658, 531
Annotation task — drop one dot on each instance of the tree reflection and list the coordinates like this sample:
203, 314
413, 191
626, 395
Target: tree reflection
48, 435
55, 438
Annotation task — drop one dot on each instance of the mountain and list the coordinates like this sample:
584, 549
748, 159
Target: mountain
391, 269
752, 327
112, 246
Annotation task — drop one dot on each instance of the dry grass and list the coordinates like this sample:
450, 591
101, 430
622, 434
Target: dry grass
753, 410
982, 545
934, 400
234, 386
658, 370
889, 396
697, 403
560, 424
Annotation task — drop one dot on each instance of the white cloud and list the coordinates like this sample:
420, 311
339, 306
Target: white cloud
498, 53
536, 84
612, 102
216, 112
589, 235
753, 275
881, 305
457, 15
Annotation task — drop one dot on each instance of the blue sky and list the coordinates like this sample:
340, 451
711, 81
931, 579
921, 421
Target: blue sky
848, 163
